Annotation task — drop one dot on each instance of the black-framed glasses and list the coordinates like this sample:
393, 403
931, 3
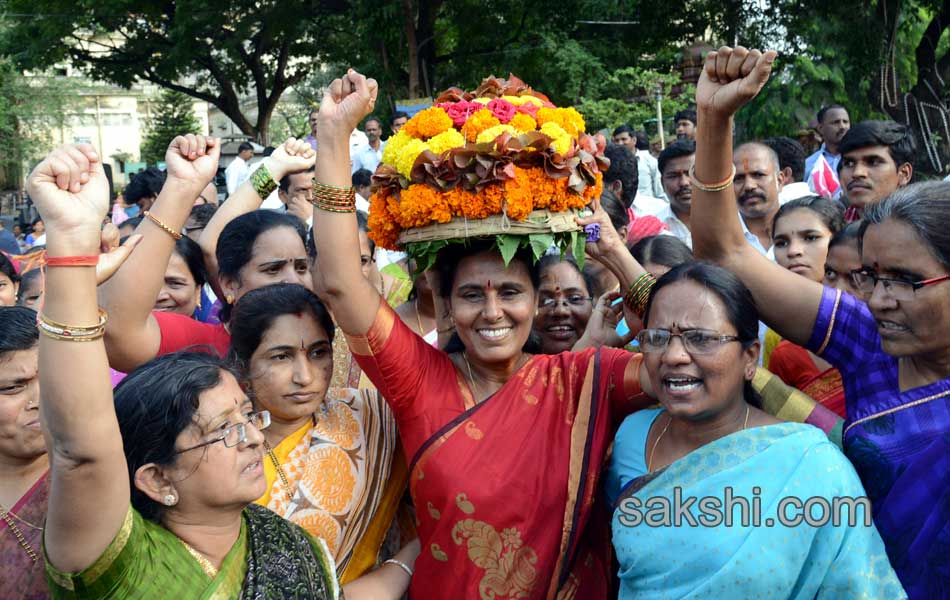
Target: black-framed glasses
237, 433
900, 289
572, 301
696, 341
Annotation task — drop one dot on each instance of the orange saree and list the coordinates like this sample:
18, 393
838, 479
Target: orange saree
796, 368
503, 489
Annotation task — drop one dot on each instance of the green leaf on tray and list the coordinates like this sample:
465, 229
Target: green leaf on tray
578, 245
540, 242
508, 245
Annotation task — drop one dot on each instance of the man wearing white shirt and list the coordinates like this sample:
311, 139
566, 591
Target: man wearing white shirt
371, 154
791, 162
648, 181
238, 171
757, 186
674, 165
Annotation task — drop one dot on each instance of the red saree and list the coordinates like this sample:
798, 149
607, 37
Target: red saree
20, 577
796, 368
503, 489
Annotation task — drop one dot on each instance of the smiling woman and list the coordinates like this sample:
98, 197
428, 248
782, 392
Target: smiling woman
564, 304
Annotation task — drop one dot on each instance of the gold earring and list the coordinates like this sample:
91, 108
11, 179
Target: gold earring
229, 299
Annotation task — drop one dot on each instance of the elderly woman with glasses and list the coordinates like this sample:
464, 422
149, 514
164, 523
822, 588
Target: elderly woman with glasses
893, 352
151, 491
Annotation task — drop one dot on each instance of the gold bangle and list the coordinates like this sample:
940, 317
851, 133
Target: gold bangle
263, 182
713, 187
70, 333
333, 198
165, 228
639, 293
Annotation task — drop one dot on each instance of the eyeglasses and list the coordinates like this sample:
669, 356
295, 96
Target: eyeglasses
572, 301
237, 433
899, 289
696, 341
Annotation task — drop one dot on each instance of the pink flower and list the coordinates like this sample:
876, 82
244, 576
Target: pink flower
528, 108
501, 109
459, 112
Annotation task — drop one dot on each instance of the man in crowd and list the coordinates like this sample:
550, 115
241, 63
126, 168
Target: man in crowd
399, 119
239, 170
675, 163
757, 187
198, 219
295, 191
648, 173
362, 182
877, 157
685, 124
791, 161
821, 168
312, 120
621, 179
371, 155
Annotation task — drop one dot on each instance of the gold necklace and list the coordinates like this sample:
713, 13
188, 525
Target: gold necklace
20, 538
280, 471
471, 377
205, 564
668, 422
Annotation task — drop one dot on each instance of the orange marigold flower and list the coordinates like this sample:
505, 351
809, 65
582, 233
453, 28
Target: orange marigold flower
419, 205
428, 123
478, 123
523, 123
383, 228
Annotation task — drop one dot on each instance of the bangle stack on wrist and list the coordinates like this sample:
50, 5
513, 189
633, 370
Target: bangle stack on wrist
638, 294
332, 198
714, 187
263, 182
72, 333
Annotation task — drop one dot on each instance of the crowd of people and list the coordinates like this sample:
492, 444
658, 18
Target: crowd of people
251, 400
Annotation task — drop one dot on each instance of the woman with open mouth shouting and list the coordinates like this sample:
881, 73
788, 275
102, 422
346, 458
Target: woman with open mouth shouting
893, 352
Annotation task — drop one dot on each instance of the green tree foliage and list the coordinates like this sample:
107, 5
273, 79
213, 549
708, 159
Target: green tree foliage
628, 96
174, 115
30, 109
215, 52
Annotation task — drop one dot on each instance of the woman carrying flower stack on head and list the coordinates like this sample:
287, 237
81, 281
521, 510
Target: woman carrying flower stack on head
505, 448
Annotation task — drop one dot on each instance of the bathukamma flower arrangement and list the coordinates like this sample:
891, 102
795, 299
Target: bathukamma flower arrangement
501, 161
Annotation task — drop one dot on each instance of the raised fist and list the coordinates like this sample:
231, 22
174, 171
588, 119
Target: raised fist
345, 103
293, 156
193, 159
71, 193
731, 78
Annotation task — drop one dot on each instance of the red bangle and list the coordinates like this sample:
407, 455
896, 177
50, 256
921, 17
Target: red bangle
72, 261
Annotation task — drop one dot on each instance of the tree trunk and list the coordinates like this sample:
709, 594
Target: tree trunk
409, 10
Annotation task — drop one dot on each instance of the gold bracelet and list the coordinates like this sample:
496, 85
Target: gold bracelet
165, 228
69, 333
639, 292
333, 198
714, 187
263, 182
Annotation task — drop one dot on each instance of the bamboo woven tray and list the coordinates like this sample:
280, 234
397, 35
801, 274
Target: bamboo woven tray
538, 221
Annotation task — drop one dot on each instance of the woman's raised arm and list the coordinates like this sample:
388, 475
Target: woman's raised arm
132, 334
338, 279
89, 497
293, 156
787, 302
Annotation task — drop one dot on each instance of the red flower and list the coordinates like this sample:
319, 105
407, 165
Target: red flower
459, 112
502, 109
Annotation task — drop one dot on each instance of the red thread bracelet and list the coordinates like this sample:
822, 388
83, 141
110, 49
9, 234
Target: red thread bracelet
72, 261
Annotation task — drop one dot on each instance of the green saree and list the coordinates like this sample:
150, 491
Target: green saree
272, 558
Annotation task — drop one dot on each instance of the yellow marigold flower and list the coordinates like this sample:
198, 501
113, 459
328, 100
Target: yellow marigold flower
482, 100
516, 100
393, 146
523, 123
408, 154
552, 129
562, 144
571, 120
446, 141
478, 123
428, 123
491, 133
531, 100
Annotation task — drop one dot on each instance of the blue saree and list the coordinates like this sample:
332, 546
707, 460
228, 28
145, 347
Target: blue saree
703, 560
